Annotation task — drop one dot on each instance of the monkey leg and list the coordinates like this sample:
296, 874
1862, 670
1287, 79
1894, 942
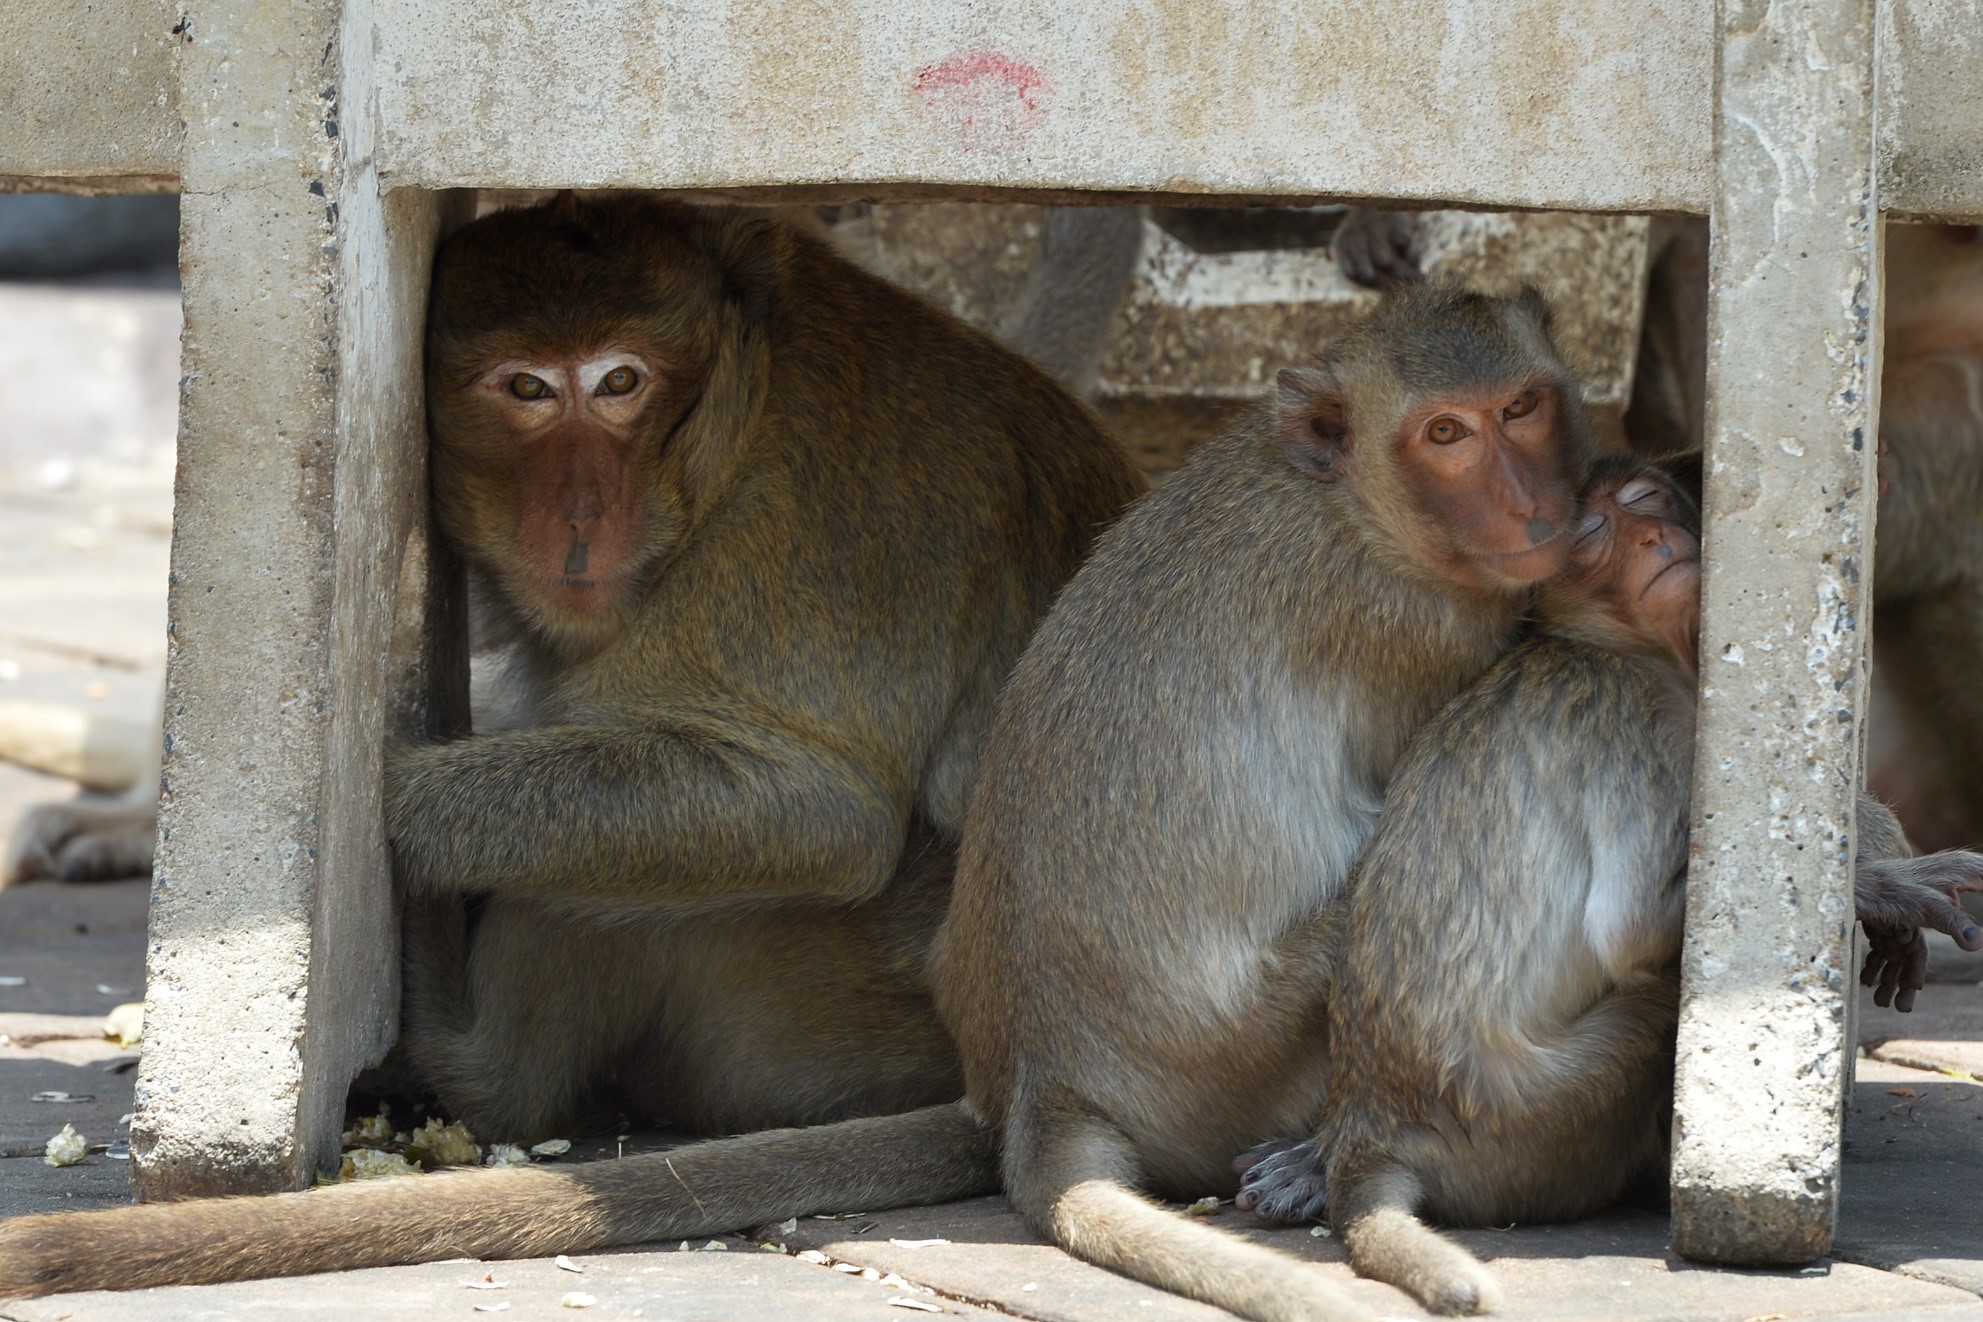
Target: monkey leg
1073, 1176
927, 1156
513, 1026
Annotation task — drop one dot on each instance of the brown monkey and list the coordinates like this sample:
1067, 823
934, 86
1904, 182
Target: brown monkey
1191, 755
1187, 763
1502, 1014
765, 534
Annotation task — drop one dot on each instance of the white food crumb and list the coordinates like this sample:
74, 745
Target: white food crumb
497, 1307
1203, 1207
1319, 1232
551, 1147
715, 1246
903, 1301
371, 1164
576, 1299
565, 1264
788, 1227
1030, 1285
506, 1154
66, 1148
919, 1243
814, 1256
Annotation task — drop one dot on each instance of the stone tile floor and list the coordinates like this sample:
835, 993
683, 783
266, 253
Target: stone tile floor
1910, 1244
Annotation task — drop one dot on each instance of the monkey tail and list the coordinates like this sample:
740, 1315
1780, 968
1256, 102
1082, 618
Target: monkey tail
1072, 1175
1372, 1205
932, 1155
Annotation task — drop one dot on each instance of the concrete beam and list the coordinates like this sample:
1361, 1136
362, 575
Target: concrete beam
1793, 367
87, 96
302, 602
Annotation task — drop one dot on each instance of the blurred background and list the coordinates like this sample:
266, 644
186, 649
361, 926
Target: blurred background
89, 383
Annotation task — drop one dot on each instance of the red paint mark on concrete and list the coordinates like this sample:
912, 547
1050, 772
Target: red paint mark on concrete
974, 67
983, 96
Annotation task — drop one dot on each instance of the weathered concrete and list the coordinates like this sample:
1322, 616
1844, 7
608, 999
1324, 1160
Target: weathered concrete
86, 94
681, 1287
300, 598
1794, 316
1931, 117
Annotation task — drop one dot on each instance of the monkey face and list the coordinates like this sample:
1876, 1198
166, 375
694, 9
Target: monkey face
1491, 470
1637, 557
570, 424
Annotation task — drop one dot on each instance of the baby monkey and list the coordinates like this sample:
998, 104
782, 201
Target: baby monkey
1503, 1017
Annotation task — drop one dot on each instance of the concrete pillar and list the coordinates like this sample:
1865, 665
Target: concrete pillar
1793, 366
305, 604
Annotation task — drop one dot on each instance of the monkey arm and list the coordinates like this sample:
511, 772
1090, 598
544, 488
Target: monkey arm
679, 818
1898, 896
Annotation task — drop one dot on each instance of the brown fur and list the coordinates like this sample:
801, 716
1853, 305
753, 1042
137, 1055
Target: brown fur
1503, 1012
751, 702
858, 508
1189, 759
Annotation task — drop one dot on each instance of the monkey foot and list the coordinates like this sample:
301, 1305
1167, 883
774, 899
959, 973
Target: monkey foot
1282, 1181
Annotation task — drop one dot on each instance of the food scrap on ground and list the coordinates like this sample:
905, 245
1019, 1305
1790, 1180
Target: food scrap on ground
66, 1148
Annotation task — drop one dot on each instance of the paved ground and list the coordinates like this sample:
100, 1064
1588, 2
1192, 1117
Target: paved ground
1910, 1244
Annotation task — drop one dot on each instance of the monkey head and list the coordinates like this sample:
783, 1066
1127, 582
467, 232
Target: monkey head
1453, 418
587, 372
1633, 582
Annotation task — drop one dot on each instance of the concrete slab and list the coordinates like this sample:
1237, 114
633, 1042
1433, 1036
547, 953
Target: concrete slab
1610, 1267
1914, 1142
682, 1287
80, 949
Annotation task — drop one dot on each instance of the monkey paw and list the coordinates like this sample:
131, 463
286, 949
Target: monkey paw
1283, 1181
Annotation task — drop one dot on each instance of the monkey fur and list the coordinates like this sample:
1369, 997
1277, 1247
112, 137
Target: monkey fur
1191, 755
1504, 1003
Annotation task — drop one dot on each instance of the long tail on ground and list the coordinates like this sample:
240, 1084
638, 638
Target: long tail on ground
1073, 1177
927, 1156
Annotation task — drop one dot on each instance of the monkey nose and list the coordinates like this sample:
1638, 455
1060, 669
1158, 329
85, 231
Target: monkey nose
1540, 530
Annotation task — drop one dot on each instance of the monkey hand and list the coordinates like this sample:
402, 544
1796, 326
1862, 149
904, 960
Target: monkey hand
1282, 1181
1375, 248
1897, 900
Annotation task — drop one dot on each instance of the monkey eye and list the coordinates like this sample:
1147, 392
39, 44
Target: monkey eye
1591, 530
1522, 405
1445, 431
618, 381
526, 386
1641, 493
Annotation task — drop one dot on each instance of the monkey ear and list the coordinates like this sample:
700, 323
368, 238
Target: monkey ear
751, 252
1532, 301
1314, 421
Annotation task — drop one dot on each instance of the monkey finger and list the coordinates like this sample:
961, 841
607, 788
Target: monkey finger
1259, 1152
1944, 915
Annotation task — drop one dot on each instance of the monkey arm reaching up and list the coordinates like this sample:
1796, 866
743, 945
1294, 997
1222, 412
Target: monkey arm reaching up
1900, 897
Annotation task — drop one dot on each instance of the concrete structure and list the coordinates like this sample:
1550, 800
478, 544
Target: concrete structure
322, 137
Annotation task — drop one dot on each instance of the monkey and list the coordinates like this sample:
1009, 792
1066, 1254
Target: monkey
764, 534
1191, 754
1502, 1013
1185, 763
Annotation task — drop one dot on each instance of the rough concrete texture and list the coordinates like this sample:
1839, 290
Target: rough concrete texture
1201, 334
1793, 329
1611, 109
298, 578
877, 100
1931, 120
86, 92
